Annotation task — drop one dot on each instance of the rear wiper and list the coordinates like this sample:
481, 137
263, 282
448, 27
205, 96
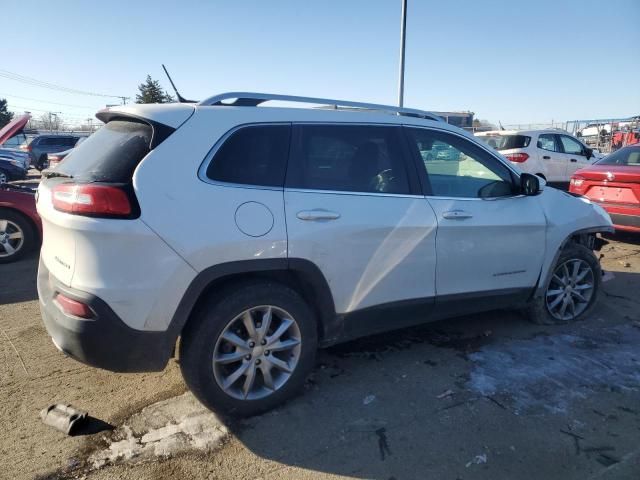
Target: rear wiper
54, 174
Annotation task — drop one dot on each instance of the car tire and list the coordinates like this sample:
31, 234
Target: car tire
563, 288
204, 348
4, 177
13, 223
42, 163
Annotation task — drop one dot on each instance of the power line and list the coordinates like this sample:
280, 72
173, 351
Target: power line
47, 101
40, 83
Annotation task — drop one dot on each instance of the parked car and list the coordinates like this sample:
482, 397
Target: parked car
551, 154
614, 183
14, 163
53, 159
258, 234
11, 169
20, 227
42, 145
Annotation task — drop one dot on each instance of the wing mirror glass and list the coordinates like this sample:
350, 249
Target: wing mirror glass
529, 184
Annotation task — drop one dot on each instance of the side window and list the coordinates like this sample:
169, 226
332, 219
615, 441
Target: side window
547, 141
457, 168
571, 146
253, 155
351, 158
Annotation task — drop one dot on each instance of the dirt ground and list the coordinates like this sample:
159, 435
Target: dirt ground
484, 396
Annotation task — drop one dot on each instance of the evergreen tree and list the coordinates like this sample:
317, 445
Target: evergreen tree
151, 92
5, 115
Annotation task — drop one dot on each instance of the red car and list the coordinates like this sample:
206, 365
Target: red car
614, 183
20, 226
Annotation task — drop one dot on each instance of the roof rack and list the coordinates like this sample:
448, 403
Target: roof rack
252, 99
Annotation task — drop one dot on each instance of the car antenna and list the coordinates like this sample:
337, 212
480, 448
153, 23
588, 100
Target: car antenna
180, 98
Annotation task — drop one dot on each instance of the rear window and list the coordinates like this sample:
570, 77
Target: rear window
111, 154
626, 157
506, 142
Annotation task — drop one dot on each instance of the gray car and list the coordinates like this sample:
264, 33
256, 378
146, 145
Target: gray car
42, 145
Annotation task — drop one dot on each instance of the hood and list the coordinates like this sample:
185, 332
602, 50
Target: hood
13, 127
611, 173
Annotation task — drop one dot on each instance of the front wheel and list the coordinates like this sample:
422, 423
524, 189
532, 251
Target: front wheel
572, 291
249, 349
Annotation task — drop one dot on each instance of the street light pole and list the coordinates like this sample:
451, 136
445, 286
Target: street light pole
403, 35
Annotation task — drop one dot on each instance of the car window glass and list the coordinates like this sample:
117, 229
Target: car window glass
571, 146
629, 156
457, 168
354, 158
547, 141
253, 155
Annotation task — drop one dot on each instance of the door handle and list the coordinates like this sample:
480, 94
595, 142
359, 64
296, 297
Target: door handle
573, 160
456, 215
317, 215
546, 157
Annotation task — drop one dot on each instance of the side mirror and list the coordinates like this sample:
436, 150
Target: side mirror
529, 184
588, 152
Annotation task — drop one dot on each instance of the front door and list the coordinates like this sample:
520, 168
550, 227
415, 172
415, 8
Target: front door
491, 239
574, 155
551, 158
352, 210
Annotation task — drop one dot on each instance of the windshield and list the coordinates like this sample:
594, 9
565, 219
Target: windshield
111, 154
506, 142
627, 156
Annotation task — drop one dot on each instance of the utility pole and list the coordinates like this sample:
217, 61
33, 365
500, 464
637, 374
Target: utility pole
403, 35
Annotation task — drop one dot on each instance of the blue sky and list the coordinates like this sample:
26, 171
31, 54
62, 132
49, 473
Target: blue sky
508, 61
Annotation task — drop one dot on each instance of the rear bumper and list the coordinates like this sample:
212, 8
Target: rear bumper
624, 217
104, 341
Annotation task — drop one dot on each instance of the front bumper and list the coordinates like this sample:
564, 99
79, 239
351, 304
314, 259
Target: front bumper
104, 341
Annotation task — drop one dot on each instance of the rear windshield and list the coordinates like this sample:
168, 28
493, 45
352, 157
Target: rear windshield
111, 154
506, 142
628, 156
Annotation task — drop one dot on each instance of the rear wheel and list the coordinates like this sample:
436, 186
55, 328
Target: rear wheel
249, 349
16, 236
4, 177
43, 162
572, 290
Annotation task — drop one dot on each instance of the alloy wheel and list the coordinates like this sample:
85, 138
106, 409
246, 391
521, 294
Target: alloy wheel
11, 238
257, 352
570, 289
3, 178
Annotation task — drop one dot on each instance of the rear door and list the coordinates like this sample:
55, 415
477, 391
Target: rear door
551, 157
353, 207
490, 241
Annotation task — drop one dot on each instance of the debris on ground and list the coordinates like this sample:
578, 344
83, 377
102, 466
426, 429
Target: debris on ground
65, 418
477, 460
445, 394
368, 399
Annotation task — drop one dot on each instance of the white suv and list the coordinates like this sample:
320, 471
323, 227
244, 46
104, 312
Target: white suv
552, 154
257, 234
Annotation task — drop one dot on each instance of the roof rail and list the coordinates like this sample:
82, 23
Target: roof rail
252, 99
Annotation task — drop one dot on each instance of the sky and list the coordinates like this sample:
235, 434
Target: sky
508, 61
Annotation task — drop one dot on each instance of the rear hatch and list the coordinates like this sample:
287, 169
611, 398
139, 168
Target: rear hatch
90, 194
510, 145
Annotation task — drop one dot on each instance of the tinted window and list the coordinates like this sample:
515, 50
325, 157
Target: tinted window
348, 158
570, 145
68, 142
111, 154
547, 141
505, 142
255, 155
457, 168
628, 156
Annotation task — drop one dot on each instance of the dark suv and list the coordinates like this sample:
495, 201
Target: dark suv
44, 144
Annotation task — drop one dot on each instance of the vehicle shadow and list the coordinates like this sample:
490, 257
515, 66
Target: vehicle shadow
18, 280
400, 405
625, 237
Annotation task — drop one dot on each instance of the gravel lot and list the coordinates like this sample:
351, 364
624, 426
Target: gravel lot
485, 396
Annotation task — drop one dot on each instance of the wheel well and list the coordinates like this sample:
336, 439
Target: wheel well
542, 176
315, 291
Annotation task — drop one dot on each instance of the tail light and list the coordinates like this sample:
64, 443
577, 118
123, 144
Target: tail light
53, 158
91, 200
517, 157
73, 307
